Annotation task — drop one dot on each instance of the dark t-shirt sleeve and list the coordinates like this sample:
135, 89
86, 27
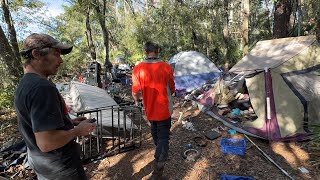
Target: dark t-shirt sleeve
46, 110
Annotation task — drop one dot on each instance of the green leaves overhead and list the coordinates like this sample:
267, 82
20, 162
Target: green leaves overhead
176, 25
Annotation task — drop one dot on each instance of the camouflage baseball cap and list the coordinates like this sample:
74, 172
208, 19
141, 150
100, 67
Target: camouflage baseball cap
39, 41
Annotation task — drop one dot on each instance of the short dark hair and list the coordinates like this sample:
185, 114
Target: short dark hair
28, 55
151, 46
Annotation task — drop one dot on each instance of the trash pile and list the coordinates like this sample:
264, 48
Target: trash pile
228, 95
14, 163
231, 142
202, 139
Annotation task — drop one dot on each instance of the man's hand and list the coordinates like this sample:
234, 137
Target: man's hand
54, 139
136, 97
148, 123
77, 120
85, 128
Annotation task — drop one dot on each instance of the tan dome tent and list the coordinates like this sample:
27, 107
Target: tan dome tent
283, 82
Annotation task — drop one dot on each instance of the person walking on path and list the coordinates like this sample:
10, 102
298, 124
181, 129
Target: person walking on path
153, 79
43, 118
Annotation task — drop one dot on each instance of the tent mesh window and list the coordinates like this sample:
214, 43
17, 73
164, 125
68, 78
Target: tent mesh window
306, 86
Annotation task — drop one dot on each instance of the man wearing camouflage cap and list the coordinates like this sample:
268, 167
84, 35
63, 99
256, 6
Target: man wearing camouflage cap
43, 118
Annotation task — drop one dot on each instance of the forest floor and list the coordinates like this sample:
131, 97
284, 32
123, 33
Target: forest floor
211, 163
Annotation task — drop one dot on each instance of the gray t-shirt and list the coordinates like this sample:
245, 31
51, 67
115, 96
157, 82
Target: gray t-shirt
40, 107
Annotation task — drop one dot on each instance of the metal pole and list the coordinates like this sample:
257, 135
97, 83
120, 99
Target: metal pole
269, 158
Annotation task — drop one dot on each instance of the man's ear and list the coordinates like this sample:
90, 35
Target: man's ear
35, 53
145, 52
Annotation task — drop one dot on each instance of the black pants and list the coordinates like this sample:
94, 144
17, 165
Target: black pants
160, 131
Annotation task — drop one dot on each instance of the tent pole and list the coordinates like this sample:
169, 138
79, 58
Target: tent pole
269, 158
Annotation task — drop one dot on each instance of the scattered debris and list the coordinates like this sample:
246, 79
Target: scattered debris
191, 154
200, 141
213, 134
188, 126
303, 170
232, 131
189, 146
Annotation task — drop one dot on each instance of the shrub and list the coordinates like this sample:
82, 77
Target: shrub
315, 144
6, 97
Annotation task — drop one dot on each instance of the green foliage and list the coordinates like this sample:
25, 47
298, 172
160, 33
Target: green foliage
6, 96
261, 22
315, 143
16, 4
7, 88
175, 26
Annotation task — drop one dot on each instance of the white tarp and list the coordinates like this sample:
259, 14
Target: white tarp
83, 97
192, 62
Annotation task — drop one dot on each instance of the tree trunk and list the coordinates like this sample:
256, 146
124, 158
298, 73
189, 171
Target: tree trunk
194, 40
226, 35
101, 17
318, 23
7, 57
11, 30
245, 27
282, 14
10, 52
91, 46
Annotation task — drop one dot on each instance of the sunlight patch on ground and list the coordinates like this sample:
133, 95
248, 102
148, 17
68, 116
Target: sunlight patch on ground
291, 152
200, 170
142, 159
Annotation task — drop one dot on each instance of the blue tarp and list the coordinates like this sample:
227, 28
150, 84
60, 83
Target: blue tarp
187, 83
231, 177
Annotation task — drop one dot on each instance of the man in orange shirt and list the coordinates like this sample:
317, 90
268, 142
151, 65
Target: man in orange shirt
154, 80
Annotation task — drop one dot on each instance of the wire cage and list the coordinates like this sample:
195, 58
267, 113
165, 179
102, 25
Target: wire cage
118, 130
